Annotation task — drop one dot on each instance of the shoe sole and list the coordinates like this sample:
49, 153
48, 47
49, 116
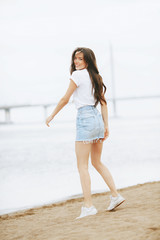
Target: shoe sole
87, 215
116, 206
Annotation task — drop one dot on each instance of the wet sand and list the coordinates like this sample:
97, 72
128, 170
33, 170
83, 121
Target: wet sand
137, 218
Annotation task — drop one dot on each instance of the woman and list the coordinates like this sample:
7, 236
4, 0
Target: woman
88, 90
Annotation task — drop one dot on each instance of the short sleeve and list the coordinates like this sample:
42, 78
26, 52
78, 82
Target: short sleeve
75, 78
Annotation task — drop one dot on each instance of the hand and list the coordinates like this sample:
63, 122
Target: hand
106, 132
48, 120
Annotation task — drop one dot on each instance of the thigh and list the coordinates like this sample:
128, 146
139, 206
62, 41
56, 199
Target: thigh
96, 151
82, 153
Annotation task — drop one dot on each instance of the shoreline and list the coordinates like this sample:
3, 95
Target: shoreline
34, 178
137, 218
77, 197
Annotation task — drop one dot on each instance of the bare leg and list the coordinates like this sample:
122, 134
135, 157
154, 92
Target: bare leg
96, 150
82, 153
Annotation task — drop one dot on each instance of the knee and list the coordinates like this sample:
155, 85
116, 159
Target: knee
96, 164
82, 168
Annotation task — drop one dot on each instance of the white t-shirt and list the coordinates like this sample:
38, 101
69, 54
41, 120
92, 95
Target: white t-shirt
83, 94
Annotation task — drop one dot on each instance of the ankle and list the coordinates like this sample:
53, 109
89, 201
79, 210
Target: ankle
88, 205
114, 194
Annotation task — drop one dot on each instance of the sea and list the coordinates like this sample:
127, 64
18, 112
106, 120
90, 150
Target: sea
38, 163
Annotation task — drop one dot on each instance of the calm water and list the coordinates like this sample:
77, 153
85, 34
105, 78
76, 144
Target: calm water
38, 164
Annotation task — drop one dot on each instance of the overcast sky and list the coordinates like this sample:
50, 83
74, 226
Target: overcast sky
38, 38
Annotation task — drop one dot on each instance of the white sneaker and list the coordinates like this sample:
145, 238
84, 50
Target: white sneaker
115, 202
87, 211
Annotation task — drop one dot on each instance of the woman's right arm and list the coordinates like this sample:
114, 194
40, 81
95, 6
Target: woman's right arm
104, 112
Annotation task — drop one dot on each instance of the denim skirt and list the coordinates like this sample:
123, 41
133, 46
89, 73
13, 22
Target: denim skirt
89, 124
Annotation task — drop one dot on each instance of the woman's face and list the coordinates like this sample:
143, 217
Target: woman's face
79, 61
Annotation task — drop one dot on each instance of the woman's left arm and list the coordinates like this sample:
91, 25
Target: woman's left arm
64, 100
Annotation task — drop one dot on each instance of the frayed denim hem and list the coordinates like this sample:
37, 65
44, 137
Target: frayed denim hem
91, 141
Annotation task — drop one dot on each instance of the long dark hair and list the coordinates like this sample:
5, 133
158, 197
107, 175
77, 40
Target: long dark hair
97, 81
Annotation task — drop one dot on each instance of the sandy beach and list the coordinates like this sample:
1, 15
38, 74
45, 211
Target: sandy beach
137, 218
